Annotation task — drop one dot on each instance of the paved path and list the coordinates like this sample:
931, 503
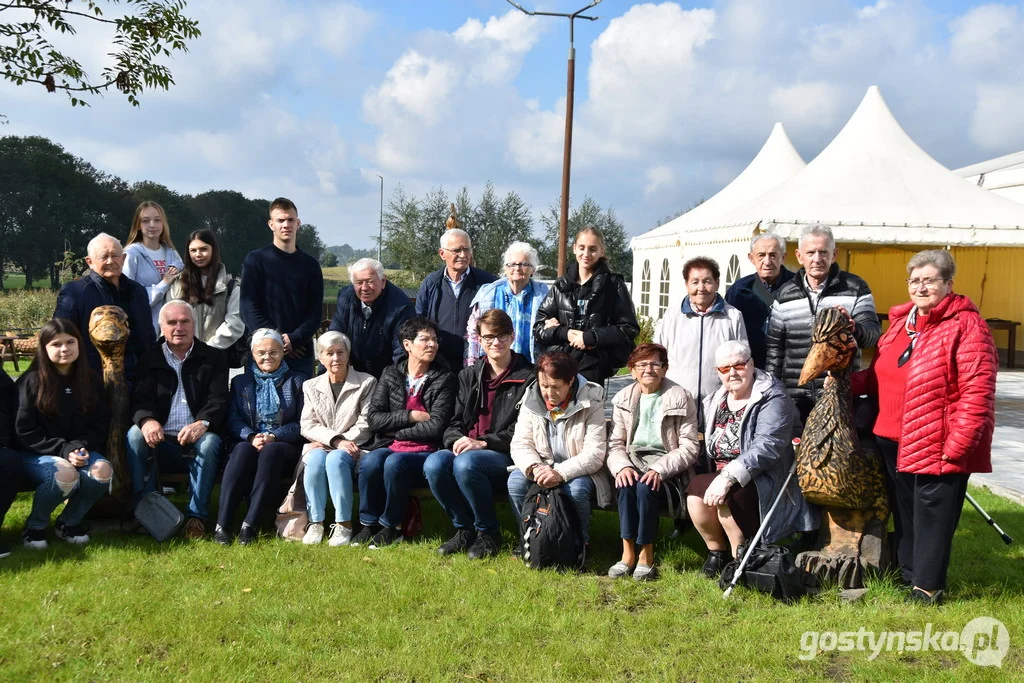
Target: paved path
1007, 477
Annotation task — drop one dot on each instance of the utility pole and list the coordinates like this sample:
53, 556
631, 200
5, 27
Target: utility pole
380, 234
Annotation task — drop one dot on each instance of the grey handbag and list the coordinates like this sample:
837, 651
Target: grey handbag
159, 516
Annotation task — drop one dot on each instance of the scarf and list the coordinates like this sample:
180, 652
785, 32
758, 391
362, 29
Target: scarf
268, 403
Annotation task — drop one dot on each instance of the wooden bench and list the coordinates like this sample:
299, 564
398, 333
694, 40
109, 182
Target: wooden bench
9, 346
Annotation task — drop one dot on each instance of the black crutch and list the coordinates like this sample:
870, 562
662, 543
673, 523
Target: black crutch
1007, 539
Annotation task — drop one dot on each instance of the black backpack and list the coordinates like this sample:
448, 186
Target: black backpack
550, 530
771, 570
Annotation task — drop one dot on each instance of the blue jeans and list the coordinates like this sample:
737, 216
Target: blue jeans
579, 489
202, 469
464, 485
385, 480
328, 472
41, 472
638, 512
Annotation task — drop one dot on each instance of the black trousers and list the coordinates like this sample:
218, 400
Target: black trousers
256, 474
10, 480
926, 510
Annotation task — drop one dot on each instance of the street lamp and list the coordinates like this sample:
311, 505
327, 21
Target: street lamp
380, 234
570, 85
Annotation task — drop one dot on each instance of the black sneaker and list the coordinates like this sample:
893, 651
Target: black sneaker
459, 543
221, 535
713, 566
248, 534
365, 534
77, 534
486, 545
385, 537
34, 538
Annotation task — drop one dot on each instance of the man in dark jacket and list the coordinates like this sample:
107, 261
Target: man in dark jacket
818, 284
283, 288
10, 461
180, 404
369, 313
446, 295
104, 285
754, 295
464, 477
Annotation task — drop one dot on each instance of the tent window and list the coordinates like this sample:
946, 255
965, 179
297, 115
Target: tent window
645, 289
733, 274
663, 294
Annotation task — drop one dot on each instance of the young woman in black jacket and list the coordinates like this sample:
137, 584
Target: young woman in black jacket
588, 313
410, 408
62, 419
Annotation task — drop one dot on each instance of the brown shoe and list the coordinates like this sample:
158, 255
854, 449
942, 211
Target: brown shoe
194, 529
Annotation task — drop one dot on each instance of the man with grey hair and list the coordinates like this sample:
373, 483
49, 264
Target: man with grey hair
754, 294
178, 409
818, 284
105, 285
446, 295
369, 313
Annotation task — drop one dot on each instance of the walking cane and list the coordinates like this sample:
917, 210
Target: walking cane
1007, 539
760, 530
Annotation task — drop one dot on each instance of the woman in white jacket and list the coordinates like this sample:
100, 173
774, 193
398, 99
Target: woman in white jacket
149, 255
560, 438
334, 422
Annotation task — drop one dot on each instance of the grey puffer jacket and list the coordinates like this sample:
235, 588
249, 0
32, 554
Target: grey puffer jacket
766, 455
792, 320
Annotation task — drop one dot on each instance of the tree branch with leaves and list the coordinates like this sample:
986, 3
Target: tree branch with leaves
147, 32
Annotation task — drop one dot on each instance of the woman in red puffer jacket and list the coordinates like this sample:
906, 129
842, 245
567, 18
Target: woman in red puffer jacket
935, 379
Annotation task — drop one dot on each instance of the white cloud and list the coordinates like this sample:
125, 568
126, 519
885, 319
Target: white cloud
995, 124
658, 178
807, 105
987, 36
417, 85
872, 11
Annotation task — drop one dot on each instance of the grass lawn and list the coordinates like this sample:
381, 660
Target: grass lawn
16, 281
127, 608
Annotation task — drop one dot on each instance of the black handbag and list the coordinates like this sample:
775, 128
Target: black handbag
771, 570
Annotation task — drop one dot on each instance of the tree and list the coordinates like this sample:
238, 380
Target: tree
404, 242
620, 258
308, 240
328, 259
145, 33
239, 222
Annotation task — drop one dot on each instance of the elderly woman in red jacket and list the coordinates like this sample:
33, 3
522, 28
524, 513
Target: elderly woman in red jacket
935, 378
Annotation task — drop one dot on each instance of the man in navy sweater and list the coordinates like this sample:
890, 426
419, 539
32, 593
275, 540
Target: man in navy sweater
446, 295
369, 313
283, 288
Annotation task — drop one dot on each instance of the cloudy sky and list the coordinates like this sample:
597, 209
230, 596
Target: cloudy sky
311, 99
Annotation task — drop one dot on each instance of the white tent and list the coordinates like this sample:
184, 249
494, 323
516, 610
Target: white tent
1003, 175
660, 249
874, 185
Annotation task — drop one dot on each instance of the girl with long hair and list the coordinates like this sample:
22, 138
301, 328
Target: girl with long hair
62, 419
149, 255
213, 292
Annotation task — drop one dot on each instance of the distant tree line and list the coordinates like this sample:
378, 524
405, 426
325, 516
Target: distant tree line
52, 203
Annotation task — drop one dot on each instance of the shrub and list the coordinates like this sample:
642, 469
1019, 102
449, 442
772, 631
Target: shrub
23, 309
646, 334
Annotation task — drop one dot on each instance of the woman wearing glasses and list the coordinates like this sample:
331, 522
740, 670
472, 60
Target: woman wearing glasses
409, 410
935, 379
751, 422
651, 454
588, 313
474, 464
517, 294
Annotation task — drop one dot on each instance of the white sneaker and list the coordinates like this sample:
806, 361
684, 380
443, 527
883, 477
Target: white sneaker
340, 535
314, 534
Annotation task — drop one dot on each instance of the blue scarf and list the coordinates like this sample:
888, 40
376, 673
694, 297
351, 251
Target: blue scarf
268, 403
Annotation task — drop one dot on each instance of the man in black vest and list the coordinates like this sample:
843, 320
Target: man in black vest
446, 295
754, 294
369, 313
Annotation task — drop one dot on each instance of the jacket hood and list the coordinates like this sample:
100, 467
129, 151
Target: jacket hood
673, 396
485, 295
586, 393
572, 275
521, 369
439, 364
322, 383
718, 306
765, 386
950, 307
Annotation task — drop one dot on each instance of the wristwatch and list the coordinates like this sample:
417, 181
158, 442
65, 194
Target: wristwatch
206, 423
728, 475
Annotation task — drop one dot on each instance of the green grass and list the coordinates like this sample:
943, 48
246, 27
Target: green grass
15, 281
127, 608
22, 363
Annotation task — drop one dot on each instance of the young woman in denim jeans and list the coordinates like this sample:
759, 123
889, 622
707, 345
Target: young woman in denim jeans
62, 419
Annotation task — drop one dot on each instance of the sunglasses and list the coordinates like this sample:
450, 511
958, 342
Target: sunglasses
735, 366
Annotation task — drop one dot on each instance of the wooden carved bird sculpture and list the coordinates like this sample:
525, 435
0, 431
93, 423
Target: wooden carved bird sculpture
108, 330
833, 468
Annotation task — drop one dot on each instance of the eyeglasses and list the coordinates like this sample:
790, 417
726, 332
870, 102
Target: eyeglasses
521, 266
461, 251
928, 282
489, 339
735, 366
267, 354
425, 340
649, 365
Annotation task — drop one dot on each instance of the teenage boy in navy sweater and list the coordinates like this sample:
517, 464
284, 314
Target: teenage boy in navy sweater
283, 288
